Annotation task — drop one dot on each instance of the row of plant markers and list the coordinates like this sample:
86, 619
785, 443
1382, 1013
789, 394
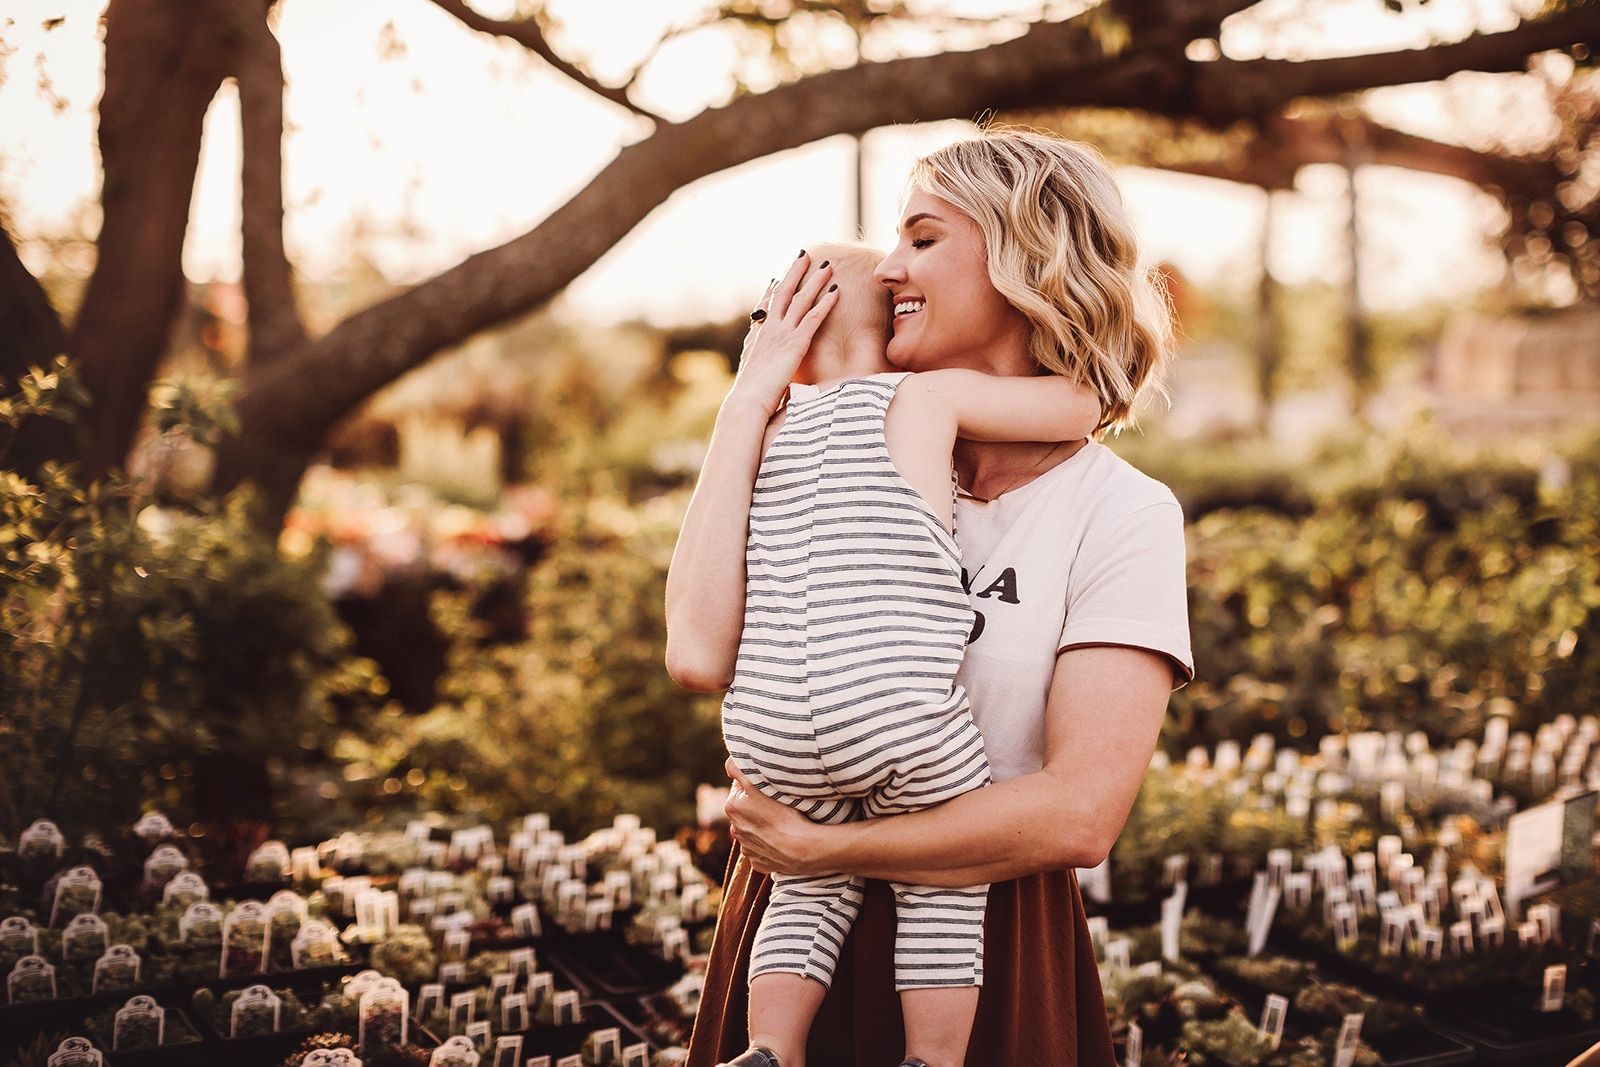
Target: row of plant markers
448, 928
1460, 882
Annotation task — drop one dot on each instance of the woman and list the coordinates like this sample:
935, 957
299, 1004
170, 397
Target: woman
1015, 257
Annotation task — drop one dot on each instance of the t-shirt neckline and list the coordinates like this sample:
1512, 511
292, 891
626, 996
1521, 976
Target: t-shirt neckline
963, 495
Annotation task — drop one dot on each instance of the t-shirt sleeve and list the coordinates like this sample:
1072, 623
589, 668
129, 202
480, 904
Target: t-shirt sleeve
1128, 587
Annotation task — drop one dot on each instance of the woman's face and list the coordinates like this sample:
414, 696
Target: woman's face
946, 311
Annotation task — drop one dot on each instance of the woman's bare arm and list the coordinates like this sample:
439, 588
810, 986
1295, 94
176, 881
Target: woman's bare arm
705, 580
1102, 718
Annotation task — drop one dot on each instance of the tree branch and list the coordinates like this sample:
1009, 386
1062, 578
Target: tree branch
290, 406
30, 331
530, 35
275, 323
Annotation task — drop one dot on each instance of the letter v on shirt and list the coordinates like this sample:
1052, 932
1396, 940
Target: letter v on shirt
1091, 552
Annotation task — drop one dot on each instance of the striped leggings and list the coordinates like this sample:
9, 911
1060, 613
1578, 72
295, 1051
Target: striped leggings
914, 761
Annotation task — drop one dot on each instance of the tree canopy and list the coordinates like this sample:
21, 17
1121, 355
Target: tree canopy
1192, 109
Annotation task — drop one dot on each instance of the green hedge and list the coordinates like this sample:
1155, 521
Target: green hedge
1407, 588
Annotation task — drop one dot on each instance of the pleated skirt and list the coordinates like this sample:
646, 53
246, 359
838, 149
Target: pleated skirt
1041, 1002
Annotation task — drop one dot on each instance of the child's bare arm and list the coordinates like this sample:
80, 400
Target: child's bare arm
993, 407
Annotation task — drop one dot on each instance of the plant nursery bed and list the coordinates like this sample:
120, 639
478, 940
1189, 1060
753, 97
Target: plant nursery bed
605, 965
1508, 1030
181, 1044
1407, 1043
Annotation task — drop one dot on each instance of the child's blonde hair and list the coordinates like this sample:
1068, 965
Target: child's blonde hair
1062, 250
863, 305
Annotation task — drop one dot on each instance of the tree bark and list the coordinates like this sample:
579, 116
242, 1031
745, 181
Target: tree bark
164, 62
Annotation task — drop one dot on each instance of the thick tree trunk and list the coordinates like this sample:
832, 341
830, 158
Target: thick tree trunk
164, 62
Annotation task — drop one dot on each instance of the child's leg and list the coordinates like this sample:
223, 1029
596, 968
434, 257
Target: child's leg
938, 963
938, 1023
782, 1007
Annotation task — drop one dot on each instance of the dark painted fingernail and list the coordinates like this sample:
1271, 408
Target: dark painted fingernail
802, 254
832, 287
824, 264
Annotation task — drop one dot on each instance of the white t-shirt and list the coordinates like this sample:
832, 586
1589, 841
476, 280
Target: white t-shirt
1090, 552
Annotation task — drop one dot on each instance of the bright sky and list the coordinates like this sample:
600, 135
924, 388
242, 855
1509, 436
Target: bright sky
442, 142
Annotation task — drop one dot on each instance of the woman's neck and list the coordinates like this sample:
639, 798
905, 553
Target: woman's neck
986, 469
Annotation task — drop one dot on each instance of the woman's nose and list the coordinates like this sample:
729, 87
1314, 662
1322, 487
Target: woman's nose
889, 272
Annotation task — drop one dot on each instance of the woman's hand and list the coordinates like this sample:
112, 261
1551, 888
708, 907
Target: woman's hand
794, 308
774, 837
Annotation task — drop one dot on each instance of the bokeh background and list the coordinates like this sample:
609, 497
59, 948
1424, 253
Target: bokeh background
375, 345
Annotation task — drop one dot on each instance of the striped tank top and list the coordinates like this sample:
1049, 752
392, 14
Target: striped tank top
856, 619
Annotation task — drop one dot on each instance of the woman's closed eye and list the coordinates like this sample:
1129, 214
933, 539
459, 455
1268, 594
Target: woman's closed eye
922, 242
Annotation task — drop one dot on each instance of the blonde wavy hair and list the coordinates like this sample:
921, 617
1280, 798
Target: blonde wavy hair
1062, 250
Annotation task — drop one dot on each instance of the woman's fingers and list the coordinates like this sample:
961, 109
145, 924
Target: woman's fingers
788, 284
811, 321
806, 297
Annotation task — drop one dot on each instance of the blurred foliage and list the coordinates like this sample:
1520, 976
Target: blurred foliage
1388, 584
149, 654
579, 718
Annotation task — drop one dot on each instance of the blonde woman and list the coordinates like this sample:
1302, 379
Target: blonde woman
1015, 257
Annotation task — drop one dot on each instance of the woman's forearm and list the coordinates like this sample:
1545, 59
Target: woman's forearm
1013, 828
705, 581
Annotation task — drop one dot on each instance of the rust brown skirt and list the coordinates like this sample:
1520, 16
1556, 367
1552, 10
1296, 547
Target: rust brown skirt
1041, 1003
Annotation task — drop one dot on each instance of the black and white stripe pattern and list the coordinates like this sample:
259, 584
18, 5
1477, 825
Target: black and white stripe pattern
844, 703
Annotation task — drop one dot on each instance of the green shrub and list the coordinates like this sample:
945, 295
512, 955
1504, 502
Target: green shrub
151, 655
1422, 597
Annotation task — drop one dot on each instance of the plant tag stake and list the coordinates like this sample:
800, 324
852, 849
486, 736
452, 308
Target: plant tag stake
1171, 921
525, 920
1272, 1015
564, 1010
1392, 938
456, 1052
541, 987
508, 1051
77, 892
603, 1046
384, 1020
1555, 987
479, 1032
1263, 921
430, 998
1344, 1052
33, 978
1345, 929
139, 1024
1461, 937
574, 1060
85, 938
1432, 944
257, 1011
117, 970
461, 1009
244, 940
75, 1052
514, 1013
1118, 954
1133, 1055
453, 973
500, 985
636, 1055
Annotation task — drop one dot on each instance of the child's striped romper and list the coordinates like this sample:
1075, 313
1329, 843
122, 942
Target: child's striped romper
844, 703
